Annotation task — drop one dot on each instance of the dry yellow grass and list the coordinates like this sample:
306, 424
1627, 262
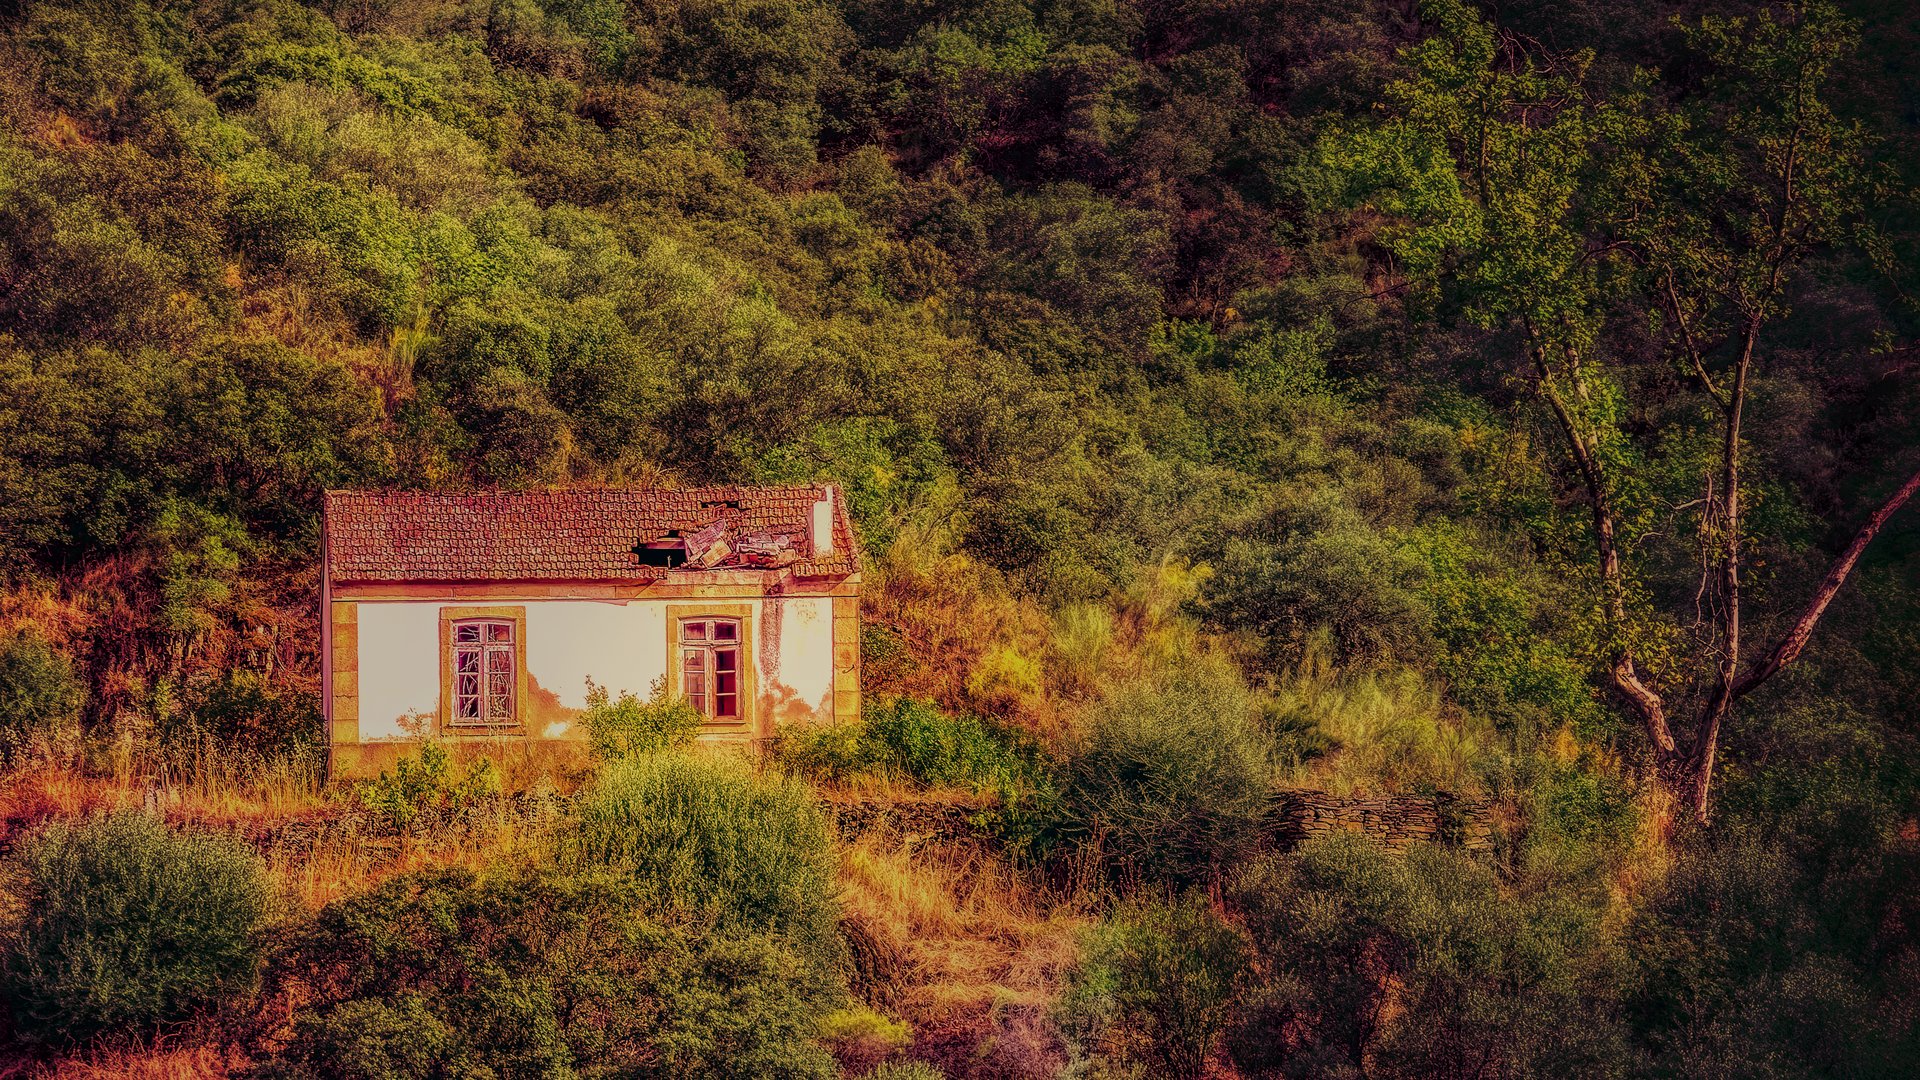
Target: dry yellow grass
981, 953
164, 1062
316, 873
55, 790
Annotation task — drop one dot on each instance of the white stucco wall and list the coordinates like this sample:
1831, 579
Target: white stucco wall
803, 676
621, 645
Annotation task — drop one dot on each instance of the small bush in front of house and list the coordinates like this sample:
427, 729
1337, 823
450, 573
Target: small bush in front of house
908, 739
428, 782
1157, 984
1170, 781
623, 727
443, 973
128, 925
38, 692
708, 837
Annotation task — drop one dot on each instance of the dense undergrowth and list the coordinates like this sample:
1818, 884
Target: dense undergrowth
1180, 369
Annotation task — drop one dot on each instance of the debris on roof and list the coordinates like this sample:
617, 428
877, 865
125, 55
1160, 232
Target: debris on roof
601, 534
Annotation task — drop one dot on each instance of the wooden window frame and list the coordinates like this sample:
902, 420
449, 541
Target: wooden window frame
450, 616
678, 615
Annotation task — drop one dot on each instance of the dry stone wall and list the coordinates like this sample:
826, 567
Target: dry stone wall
1397, 821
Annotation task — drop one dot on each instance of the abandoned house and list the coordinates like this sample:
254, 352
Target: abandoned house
483, 619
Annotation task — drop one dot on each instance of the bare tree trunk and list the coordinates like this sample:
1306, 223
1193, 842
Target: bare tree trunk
1706, 741
1645, 700
1689, 773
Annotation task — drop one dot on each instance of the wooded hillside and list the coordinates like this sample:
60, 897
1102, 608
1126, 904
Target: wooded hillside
1511, 404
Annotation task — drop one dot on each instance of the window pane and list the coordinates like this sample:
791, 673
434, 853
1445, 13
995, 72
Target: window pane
693, 631
466, 632
725, 705
466, 660
693, 677
500, 631
726, 659
468, 708
723, 682
499, 659
726, 631
467, 684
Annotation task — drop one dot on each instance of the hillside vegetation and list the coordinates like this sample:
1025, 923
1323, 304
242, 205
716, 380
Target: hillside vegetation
1509, 406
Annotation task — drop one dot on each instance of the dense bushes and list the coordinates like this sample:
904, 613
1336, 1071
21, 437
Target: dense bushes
127, 926
706, 837
1418, 966
243, 712
1169, 781
442, 974
1157, 985
37, 692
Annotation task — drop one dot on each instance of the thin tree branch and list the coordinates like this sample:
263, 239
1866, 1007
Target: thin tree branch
1796, 637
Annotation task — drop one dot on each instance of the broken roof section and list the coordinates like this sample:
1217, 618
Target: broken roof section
597, 534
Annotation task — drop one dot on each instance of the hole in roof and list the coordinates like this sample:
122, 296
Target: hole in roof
661, 553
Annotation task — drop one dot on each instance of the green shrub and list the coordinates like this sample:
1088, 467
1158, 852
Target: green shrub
244, 712
128, 925
1158, 984
417, 785
1420, 965
908, 739
707, 837
444, 974
1169, 780
38, 691
628, 726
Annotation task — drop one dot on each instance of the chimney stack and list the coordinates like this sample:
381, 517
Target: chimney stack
822, 531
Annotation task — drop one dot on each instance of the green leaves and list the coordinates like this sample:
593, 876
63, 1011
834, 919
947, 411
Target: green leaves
1485, 171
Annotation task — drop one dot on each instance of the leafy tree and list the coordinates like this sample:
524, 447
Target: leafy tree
1523, 196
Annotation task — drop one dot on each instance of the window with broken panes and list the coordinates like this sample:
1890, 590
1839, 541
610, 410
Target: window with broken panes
483, 672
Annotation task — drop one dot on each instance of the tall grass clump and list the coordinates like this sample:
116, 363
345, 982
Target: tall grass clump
238, 736
1377, 731
1169, 780
708, 837
625, 726
128, 926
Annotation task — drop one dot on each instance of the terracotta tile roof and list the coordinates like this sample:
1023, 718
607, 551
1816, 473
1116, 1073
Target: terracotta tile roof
580, 535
